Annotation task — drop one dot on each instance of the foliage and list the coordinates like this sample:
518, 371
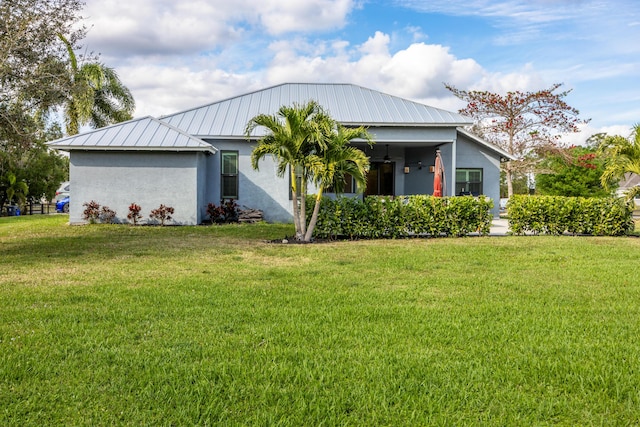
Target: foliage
91, 212
96, 96
14, 189
32, 74
227, 211
389, 217
527, 125
621, 156
107, 215
162, 214
519, 183
574, 215
134, 214
314, 148
576, 175
31, 161
334, 162
142, 328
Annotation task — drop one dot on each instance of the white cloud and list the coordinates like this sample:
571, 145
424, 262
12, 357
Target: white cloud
168, 27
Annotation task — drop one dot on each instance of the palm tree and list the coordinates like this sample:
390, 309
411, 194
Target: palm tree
293, 134
14, 189
622, 156
331, 167
96, 96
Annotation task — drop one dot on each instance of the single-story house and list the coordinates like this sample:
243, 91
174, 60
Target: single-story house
202, 155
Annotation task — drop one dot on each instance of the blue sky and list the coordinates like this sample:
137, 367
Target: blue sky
176, 55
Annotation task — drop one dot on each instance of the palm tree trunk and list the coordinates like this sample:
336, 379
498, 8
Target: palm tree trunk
296, 216
314, 216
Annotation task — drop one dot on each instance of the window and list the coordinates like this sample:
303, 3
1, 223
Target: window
469, 181
229, 175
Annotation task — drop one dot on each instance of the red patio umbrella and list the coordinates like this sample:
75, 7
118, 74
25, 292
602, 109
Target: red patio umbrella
438, 178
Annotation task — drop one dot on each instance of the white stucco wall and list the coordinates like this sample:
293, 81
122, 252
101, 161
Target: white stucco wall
149, 179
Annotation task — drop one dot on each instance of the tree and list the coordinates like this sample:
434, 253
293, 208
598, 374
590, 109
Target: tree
338, 161
95, 96
293, 133
309, 144
32, 71
579, 176
621, 156
527, 125
32, 84
14, 188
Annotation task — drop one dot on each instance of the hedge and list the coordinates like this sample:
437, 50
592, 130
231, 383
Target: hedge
396, 217
573, 215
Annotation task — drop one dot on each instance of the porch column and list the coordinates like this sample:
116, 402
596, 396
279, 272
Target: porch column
451, 183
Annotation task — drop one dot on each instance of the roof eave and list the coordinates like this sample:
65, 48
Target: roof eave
503, 154
70, 148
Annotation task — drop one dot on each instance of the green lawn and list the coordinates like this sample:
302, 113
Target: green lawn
120, 325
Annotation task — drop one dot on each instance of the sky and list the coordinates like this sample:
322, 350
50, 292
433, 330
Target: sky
174, 55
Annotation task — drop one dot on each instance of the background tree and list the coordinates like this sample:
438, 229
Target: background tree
32, 71
95, 95
621, 156
525, 124
576, 175
33, 80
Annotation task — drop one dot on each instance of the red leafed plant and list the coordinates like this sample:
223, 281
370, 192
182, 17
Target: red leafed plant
134, 213
162, 214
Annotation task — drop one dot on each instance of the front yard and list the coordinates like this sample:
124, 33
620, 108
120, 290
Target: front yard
121, 325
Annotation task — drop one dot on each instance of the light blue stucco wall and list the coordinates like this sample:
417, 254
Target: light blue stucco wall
258, 189
472, 155
149, 179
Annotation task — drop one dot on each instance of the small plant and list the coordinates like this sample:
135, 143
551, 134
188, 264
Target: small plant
134, 213
162, 214
107, 215
91, 212
227, 211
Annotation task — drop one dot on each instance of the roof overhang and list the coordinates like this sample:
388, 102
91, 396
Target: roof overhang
504, 156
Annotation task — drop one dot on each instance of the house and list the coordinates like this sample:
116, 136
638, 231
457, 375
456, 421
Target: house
202, 155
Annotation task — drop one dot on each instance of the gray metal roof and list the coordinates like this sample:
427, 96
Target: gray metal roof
348, 104
145, 133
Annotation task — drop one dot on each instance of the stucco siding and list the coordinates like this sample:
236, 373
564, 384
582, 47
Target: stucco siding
471, 155
257, 189
149, 179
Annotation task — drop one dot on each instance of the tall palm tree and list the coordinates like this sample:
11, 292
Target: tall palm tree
338, 160
293, 134
96, 96
622, 156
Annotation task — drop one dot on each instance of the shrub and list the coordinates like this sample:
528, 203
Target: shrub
389, 217
227, 211
134, 213
556, 215
91, 212
162, 214
107, 215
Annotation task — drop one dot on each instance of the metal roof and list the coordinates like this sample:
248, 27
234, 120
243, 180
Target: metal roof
348, 104
145, 133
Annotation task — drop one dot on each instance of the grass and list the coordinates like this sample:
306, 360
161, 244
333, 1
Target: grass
119, 325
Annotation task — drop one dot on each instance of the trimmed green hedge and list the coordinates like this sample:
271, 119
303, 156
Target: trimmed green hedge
574, 215
396, 217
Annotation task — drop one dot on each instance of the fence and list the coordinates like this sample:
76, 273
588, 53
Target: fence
30, 209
